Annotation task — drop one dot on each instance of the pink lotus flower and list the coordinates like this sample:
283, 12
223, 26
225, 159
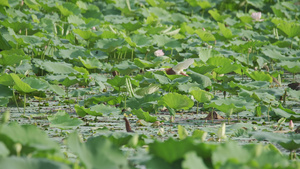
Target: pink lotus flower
291, 125
159, 53
256, 16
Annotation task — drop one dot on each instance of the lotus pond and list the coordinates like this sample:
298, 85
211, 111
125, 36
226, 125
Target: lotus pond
87, 84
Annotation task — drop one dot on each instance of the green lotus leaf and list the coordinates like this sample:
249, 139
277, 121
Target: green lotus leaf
229, 105
97, 152
290, 141
104, 110
91, 63
5, 3
6, 79
72, 53
125, 67
76, 20
256, 3
85, 34
31, 163
224, 65
202, 80
205, 35
32, 139
117, 81
4, 101
68, 8
225, 31
291, 29
147, 102
35, 83
192, 161
58, 67
20, 85
109, 45
293, 67
261, 76
144, 115
177, 101
215, 14
186, 87
251, 85
182, 132
201, 96
144, 63
63, 120
13, 57
152, 88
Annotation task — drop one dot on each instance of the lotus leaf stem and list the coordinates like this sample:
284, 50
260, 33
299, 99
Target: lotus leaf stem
14, 95
24, 103
269, 111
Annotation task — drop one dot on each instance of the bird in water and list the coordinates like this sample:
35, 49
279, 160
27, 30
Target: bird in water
177, 69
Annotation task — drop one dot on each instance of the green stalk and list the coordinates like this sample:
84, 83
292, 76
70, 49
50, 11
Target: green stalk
24, 103
128, 5
248, 58
197, 107
125, 102
294, 77
132, 55
14, 95
269, 112
212, 115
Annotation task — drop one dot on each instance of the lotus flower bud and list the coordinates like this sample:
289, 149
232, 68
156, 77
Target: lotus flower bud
18, 148
161, 131
172, 119
291, 125
249, 50
221, 132
256, 16
5, 116
159, 53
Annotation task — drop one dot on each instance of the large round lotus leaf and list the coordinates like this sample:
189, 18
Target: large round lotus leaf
177, 101
31, 163
63, 120
290, 66
20, 85
98, 152
201, 95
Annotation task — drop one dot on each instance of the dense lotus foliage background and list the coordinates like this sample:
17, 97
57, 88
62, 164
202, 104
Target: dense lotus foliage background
72, 70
